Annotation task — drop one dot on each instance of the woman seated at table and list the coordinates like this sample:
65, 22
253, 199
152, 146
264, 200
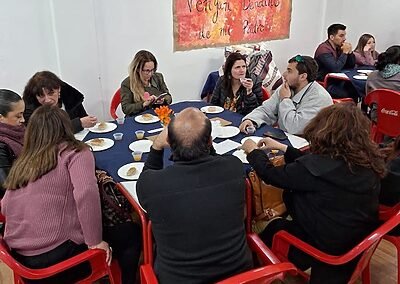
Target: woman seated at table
388, 74
11, 131
365, 52
52, 203
143, 87
45, 88
237, 90
331, 193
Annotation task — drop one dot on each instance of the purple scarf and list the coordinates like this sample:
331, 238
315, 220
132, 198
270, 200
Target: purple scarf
13, 136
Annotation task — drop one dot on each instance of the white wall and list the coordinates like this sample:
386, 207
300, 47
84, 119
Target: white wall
90, 43
379, 18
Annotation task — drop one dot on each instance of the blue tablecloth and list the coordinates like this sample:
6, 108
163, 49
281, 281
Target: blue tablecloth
115, 157
359, 84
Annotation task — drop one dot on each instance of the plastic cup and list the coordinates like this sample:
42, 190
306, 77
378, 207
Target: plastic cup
137, 155
139, 134
118, 136
250, 130
120, 120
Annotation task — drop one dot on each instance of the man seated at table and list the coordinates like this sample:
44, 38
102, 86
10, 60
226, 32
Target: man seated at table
295, 102
334, 55
196, 205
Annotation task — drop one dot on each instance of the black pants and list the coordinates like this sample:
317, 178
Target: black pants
125, 240
60, 253
320, 272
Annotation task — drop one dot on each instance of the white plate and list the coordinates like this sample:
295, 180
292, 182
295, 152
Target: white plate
122, 170
228, 132
360, 77
108, 143
141, 145
109, 127
241, 155
214, 109
140, 119
256, 139
365, 71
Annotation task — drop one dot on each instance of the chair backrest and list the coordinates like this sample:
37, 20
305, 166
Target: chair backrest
115, 101
365, 249
388, 112
266, 95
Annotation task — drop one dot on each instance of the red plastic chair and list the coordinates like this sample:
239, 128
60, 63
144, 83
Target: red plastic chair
115, 101
273, 268
95, 257
388, 113
266, 95
283, 240
385, 213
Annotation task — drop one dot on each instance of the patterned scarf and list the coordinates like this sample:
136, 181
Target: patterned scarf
390, 70
13, 136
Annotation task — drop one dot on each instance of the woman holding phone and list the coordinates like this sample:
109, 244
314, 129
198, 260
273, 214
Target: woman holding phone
237, 90
144, 86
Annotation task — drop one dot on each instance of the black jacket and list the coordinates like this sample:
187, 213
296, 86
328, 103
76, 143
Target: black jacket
72, 100
245, 103
335, 207
7, 158
197, 212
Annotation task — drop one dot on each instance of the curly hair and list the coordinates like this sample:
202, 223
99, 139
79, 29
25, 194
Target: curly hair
392, 150
342, 131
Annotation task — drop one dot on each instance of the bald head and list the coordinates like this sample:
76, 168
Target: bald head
189, 134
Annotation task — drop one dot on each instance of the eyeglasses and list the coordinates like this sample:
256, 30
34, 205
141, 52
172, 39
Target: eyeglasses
148, 71
299, 59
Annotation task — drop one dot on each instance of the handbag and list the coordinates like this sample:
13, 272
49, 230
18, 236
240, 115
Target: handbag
115, 208
267, 199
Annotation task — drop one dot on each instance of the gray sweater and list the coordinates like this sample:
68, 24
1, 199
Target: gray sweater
292, 115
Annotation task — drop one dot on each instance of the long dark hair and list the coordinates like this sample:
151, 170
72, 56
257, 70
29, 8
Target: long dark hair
362, 42
341, 131
48, 127
392, 150
390, 56
7, 99
232, 58
41, 80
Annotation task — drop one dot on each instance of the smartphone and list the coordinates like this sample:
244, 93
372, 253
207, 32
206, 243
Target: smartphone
276, 134
159, 99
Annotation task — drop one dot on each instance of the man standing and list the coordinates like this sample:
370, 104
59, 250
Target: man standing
196, 205
295, 102
334, 55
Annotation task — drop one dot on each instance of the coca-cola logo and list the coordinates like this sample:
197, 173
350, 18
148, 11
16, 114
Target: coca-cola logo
390, 112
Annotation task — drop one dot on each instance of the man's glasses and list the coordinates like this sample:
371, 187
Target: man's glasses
299, 59
148, 71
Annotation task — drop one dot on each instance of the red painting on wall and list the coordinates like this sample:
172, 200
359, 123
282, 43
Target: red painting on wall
211, 23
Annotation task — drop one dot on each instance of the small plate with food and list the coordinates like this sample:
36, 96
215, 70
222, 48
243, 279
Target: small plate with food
146, 118
103, 127
212, 109
227, 132
256, 139
131, 171
100, 144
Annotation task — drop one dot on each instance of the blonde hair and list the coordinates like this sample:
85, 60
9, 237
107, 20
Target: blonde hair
136, 83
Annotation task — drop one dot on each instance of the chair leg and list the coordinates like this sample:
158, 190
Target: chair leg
366, 275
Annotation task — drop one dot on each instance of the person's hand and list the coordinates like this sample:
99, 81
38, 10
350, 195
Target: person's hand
284, 92
271, 144
104, 246
367, 48
249, 145
346, 47
243, 126
248, 84
149, 101
88, 121
161, 141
